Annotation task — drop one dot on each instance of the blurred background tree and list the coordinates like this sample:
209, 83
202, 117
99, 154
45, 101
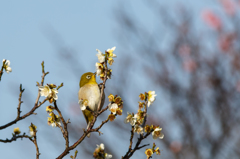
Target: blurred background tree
190, 59
195, 73
193, 64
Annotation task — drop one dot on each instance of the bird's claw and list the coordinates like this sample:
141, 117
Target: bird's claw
93, 113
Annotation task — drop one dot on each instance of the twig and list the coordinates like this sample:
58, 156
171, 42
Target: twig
103, 110
20, 101
65, 131
36, 105
33, 139
75, 155
24, 116
60, 86
100, 126
142, 146
61, 128
14, 138
131, 142
36, 145
137, 147
1, 72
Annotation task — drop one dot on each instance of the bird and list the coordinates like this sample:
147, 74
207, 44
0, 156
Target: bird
90, 91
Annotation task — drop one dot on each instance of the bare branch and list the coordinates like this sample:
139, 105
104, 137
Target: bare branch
1, 71
15, 137
75, 155
127, 156
20, 101
131, 138
65, 131
36, 145
36, 105
100, 126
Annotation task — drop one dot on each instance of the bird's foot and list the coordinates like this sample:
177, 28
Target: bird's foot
93, 112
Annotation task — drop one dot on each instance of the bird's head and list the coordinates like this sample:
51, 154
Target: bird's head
88, 78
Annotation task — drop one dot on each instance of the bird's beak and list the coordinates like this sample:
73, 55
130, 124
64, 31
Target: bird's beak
94, 74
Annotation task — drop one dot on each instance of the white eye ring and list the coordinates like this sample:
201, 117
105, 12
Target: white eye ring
88, 76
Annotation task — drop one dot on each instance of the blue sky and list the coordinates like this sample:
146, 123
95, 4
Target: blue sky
33, 31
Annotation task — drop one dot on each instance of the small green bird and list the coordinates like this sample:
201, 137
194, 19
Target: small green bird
90, 92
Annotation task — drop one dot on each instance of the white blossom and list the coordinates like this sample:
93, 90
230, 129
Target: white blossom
48, 92
110, 51
130, 118
138, 129
99, 68
7, 66
108, 156
100, 55
151, 97
31, 133
157, 133
83, 104
101, 146
45, 90
113, 108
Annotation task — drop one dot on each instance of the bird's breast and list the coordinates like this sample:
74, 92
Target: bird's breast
90, 92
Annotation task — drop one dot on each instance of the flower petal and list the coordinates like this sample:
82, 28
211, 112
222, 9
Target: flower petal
113, 48
7, 63
9, 69
99, 51
101, 146
108, 156
55, 96
161, 136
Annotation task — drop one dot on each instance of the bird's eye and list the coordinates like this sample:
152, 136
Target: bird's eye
88, 76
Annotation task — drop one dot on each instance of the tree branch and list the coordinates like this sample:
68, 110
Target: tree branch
127, 156
65, 131
131, 138
1, 71
130, 150
100, 126
36, 105
20, 101
36, 145
34, 140
14, 138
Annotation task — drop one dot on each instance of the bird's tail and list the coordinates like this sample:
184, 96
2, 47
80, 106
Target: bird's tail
89, 117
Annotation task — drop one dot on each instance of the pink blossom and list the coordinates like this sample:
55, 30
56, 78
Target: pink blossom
189, 65
225, 41
212, 19
175, 146
229, 6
